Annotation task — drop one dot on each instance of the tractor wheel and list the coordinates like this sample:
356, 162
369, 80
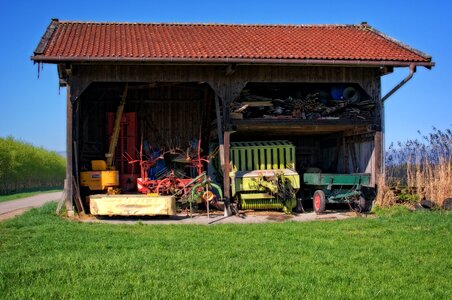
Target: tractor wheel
364, 204
319, 202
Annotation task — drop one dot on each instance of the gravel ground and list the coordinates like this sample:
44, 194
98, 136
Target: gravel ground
218, 218
13, 208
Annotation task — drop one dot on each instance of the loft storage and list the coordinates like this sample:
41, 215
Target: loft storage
303, 101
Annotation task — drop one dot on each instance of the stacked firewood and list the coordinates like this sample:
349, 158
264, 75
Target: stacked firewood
312, 106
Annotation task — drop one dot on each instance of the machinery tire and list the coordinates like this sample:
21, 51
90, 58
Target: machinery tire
364, 204
351, 94
319, 202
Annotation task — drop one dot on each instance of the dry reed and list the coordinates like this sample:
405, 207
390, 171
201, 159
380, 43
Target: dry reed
423, 167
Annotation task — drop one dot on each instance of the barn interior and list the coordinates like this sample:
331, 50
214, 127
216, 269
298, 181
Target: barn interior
332, 125
174, 125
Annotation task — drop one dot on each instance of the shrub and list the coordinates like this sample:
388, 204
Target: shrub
26, 167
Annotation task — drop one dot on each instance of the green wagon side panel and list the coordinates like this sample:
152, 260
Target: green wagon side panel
281, 158
262, 158
256, 158
242, 164
325, 179
264, 155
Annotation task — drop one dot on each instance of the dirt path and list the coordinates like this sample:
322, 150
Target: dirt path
10, 209
218, 218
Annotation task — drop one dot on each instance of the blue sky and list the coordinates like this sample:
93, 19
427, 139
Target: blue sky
33, 109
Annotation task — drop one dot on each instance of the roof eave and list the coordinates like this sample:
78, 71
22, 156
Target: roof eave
401, 44
337, 62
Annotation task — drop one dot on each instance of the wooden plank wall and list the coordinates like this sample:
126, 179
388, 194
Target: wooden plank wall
169, 116
216, 76
364, 149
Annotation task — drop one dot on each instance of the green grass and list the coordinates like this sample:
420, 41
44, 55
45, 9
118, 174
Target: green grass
4, 198
406, 256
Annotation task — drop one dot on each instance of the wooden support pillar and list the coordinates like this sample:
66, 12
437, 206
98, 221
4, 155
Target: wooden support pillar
69, 163
226, 179
379, 156
227, 90
219, 130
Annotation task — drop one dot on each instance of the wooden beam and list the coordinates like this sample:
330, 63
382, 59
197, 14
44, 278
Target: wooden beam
215, 74
76, 182
69, 162
379, 156
302, 126
117, 127
226, 179
219, 130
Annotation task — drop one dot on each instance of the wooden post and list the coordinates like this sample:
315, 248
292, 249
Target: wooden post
378, 140
69, 172
219, 130
379, 136
226, 180
114, 137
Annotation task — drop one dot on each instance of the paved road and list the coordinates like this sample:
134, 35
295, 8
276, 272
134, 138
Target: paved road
10, 209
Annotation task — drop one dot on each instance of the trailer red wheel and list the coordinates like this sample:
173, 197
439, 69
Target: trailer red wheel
319, 201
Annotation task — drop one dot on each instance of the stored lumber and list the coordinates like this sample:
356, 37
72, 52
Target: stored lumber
310, 106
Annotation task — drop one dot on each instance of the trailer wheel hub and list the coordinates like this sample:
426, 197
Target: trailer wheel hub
317, 201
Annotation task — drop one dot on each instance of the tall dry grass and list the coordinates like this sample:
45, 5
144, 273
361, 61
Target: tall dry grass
385, 196
423, 167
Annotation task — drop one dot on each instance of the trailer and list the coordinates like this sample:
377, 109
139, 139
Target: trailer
325, 188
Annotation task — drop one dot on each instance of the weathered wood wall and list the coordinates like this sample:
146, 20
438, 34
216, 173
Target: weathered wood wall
355, 156
169, 115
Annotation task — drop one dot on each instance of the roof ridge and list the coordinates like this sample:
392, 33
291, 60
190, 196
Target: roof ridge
207, 24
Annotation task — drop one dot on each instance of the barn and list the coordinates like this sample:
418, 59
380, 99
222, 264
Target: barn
230, 99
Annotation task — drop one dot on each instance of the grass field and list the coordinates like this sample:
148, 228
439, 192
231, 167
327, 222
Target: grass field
4, 198
400, 256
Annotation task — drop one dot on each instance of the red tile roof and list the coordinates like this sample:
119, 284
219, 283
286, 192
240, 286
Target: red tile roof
90, 41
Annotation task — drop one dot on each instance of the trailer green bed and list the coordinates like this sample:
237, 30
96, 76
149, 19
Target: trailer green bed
336, 188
